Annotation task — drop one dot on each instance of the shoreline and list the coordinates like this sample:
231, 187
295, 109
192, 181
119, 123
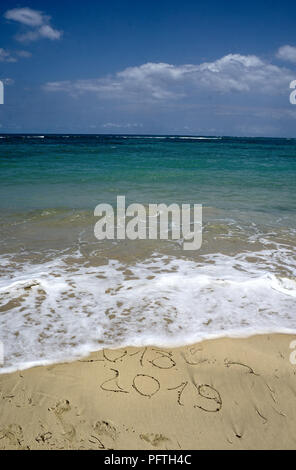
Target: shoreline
80, 357
227, 393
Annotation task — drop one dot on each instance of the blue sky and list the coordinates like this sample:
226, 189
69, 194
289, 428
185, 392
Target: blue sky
158, 67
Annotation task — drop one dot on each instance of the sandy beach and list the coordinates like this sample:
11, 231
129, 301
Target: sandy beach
218, 394
147, 228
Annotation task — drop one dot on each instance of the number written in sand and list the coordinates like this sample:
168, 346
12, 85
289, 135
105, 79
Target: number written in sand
163, 360
113, 385
209, 394
157, 358
180, 389
146, 385
209, 398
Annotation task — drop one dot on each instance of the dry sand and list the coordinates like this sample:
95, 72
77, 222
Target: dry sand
219, 394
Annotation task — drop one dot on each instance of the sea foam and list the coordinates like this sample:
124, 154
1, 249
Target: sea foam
62, 310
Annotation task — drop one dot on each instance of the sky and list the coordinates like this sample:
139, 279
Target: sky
148, 67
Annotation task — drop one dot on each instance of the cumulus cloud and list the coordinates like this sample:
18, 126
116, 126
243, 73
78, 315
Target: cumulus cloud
38, 24
287, 53
161, 81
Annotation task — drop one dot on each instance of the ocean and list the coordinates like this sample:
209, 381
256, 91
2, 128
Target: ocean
63, 293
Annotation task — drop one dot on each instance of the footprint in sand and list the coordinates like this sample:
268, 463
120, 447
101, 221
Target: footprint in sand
59, 410
43, 438
156, 440
61, 407
106, 432
14, 435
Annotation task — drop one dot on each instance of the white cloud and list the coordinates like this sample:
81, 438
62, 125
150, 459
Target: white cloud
46, 31
25, 16
287, 53
161, 81
236, 72
38, 24
5, 56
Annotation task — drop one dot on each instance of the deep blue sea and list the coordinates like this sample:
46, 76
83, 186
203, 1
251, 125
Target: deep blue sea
63, 293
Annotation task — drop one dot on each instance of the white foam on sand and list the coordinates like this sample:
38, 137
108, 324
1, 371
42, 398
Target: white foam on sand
59, 311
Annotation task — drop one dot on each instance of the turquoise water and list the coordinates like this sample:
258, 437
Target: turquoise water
63, 293
80, 171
